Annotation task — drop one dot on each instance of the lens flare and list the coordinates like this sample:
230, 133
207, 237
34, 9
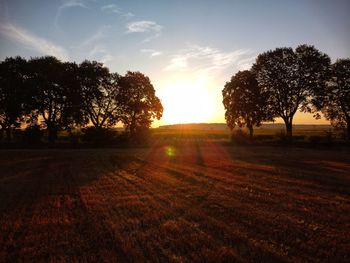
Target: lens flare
170, 151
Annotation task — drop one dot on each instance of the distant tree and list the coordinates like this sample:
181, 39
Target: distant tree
100, 90
12, 93
245, 102
56, 90
336, 99
291, 79
139, 103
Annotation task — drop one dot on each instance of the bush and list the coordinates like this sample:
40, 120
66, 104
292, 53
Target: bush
99, 136
33, 134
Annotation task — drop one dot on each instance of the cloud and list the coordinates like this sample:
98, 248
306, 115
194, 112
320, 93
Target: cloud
101, 33
100, 54
152, 53
73, 3
32, 41
145, 27
68, 4
204, 58
112, 8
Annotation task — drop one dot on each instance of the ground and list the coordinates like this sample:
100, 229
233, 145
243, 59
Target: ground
184, 201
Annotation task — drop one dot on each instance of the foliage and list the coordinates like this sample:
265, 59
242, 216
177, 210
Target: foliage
12, 93
100, 90
56, 92
245, 102
99, 135
336, 98
291, 78
138, 101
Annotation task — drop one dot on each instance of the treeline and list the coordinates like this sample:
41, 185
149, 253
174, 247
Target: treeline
46, 93
283, 81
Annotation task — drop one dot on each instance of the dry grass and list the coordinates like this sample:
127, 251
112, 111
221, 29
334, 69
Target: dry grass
193, 202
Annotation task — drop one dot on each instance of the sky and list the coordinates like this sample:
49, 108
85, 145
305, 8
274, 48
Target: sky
189, 49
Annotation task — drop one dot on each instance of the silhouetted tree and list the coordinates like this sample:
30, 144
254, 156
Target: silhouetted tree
336, 98
100, 90
56, 92
291, 79
245, 102
139, 103
12, 93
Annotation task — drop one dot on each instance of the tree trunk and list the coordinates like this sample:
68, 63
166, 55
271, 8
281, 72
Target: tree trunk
251, 132
289, 127
348, 130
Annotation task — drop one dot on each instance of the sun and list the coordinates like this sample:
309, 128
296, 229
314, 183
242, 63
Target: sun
187, 101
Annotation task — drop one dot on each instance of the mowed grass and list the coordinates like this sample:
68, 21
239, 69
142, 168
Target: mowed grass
188, 201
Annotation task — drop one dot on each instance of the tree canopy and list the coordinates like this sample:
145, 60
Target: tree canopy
245, 102
13, 93
291, 78
336, 98
99, 92
138, 101
63, 95
56, 91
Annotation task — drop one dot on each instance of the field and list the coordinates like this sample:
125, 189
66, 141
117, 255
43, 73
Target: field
184, 201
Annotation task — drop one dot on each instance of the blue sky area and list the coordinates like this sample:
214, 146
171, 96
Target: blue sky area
185, 47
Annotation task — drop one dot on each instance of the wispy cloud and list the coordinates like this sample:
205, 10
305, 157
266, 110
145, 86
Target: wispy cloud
29, 40
99, 53
100, 34
152, 53
205, 58
73, 3
112, 8
68, 4
145, 27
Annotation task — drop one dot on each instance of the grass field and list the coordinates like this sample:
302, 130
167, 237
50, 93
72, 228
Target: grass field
188, 201
260, 133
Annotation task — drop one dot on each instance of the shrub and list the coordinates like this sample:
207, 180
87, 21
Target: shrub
100, 136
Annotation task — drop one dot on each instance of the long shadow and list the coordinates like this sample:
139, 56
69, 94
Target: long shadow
311, 165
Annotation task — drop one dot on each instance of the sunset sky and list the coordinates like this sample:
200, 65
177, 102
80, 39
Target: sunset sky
189, 49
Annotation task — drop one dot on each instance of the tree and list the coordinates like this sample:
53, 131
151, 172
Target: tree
56, 92
12, 93
245, 102
138, 101
336, 99
100, 90
291, 79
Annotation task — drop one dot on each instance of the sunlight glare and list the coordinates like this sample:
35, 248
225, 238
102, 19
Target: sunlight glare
187, 101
